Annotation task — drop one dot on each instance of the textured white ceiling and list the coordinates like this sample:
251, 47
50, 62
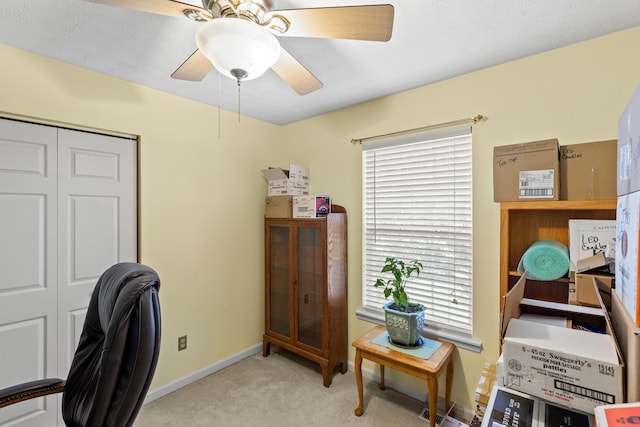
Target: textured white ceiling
432, 40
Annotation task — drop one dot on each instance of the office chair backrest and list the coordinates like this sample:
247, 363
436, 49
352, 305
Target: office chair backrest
118, 350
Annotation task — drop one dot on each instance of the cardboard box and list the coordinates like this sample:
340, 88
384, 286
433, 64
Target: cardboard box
278, 206
282, 182
484, 387
500, 369
588, 237
628, 337
311, 206
575, 368
585, 293
621, 415
529, 171
509, 407
595, 267
628, 171
627, 253
588, 171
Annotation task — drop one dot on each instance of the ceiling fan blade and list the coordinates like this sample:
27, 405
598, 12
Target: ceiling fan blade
295, 74
161, 7
372, 22
195, 68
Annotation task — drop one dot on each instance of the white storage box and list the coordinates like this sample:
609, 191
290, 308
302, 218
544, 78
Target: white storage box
311, 206
282, 182
571, 367
628, 171
587, 238
628, 253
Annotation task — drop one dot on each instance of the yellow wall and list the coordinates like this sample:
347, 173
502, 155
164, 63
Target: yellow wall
201, 196
575, 94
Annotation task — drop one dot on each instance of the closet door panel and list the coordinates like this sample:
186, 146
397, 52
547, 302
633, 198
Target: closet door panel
28, 283
96, 222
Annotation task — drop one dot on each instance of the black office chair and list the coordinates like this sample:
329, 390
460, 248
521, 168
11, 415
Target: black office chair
116, 357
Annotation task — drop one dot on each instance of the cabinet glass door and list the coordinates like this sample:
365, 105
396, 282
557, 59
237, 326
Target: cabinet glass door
280, 284
310, 286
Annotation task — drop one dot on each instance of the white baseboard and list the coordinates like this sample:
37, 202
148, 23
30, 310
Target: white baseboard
158, 392
400, 387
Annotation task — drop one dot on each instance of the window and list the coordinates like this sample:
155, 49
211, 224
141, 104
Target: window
417, 204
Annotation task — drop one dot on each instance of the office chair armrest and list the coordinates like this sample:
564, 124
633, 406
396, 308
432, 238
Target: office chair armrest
30, 390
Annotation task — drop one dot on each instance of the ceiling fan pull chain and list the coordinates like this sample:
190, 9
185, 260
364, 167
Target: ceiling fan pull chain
239, 74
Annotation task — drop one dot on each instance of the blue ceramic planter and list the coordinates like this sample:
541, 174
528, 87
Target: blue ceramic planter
403, 328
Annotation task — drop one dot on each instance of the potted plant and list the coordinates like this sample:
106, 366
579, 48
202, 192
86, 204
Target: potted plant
404, 319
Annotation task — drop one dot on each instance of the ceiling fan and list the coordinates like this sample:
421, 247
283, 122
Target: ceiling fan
238, 37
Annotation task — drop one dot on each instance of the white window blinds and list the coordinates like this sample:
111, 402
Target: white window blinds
417, 198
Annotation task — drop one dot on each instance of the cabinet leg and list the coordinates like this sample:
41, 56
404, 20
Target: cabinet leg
266, 348
327, 375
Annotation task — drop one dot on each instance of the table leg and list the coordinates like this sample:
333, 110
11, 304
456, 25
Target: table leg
449, 384
358, 367
381, 386
432, 384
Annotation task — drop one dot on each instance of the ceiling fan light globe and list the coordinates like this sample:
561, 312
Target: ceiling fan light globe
233, 43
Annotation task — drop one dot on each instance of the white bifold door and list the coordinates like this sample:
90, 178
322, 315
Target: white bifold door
67, 213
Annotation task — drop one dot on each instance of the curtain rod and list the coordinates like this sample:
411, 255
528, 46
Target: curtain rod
470, 120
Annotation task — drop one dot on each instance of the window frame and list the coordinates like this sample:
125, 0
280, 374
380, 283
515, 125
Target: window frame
463, 337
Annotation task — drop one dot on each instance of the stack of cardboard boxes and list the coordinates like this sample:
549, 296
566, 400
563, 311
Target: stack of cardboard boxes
543, 170
483, 390
515, 409
586, 353
562, 353
288, 194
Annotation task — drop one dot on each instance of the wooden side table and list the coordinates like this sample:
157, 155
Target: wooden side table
428, 369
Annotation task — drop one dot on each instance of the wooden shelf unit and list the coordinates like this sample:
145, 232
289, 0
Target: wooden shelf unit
522, 223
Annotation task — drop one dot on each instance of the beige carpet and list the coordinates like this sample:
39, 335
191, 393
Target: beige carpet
279, 390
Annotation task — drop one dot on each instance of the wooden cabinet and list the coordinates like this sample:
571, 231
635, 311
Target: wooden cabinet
522, 223
306, 289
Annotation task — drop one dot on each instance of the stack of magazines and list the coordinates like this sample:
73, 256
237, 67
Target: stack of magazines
512, 408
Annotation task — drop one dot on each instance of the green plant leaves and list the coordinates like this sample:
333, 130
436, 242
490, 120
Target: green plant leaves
401, 271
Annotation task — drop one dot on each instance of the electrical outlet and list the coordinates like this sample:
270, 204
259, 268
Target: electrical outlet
182, 343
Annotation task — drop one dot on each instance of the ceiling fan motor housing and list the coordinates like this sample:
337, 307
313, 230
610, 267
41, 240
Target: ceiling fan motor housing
255, 10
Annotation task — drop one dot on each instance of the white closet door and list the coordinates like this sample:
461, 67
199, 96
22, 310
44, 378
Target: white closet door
67, 213
96, 223
28, 271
